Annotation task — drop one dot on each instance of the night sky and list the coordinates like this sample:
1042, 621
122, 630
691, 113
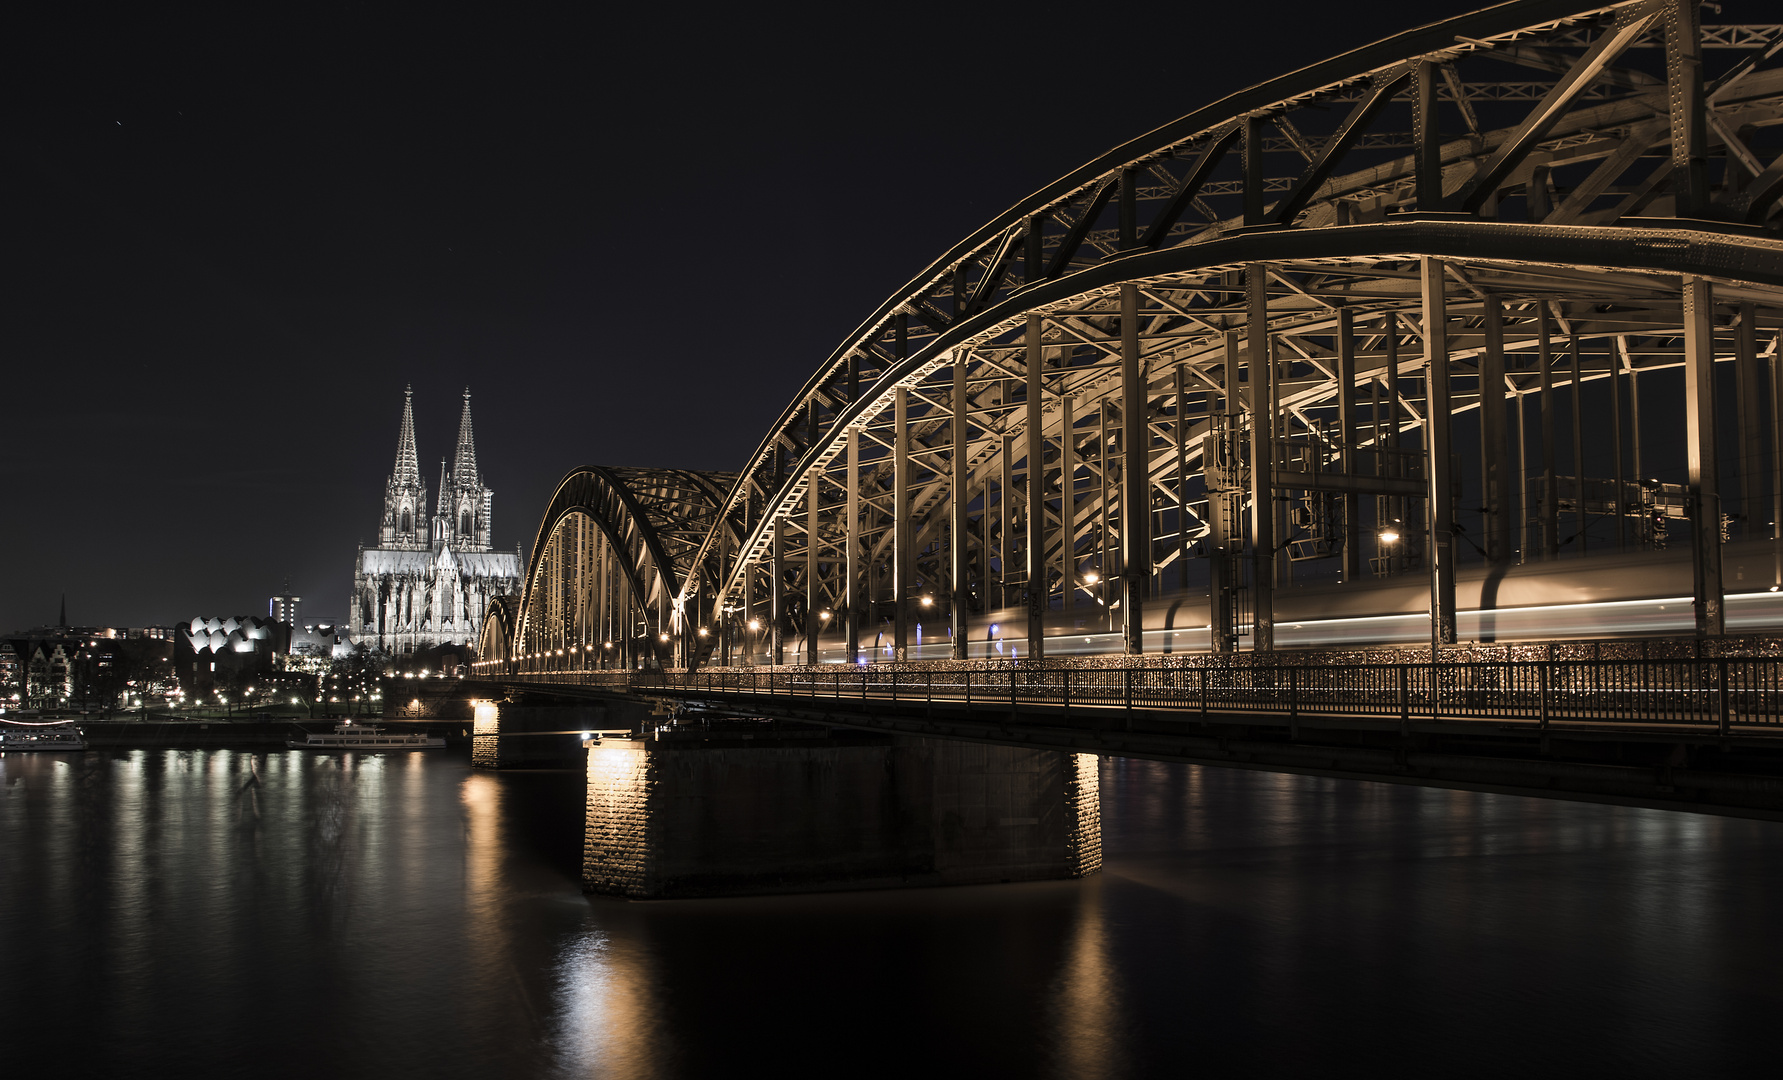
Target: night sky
230, 241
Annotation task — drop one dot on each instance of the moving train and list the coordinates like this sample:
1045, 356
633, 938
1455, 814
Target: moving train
1646, 593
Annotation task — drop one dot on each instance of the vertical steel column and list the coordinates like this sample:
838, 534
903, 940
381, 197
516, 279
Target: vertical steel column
663, 621
1426, 139
1750, 396
1182, 475
1005, 520
1038, 592
1777, 461
1495, 466
959, 534
851, 582
1522, 481
900, 522
1256, 283
1437, 421
777, 595
1136, 533
1550, 493
1346, 441
812, 622
1395, 553
1067, 498
1699, 442
723, 617
1224, 566
1619, 502
1689, 122
1578, 395
1106, 566
1252, 159
1634, 420
744, 557
1280, 528
602, 602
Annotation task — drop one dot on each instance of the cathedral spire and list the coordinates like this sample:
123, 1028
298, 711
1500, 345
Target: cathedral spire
408, 463
464, 467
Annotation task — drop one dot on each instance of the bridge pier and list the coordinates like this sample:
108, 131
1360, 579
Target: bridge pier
750, 807
507, 734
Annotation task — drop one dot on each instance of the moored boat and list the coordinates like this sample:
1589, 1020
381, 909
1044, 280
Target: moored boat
52, 735
351, 736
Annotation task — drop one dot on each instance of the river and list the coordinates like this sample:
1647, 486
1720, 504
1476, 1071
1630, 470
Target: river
216, 913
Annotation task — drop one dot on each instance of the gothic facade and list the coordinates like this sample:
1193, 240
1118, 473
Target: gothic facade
430, 578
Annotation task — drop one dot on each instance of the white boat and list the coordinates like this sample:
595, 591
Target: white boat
351, 736
53, 735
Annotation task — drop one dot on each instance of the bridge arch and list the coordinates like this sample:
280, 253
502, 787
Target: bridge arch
496, 636
1333, 332
609, 560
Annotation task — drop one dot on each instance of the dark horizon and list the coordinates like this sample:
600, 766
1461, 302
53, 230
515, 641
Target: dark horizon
233, 244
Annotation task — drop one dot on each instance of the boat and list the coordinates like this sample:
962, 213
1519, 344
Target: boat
351, 736
52, 735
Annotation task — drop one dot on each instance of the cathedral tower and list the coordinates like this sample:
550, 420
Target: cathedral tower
465, 503
405, 495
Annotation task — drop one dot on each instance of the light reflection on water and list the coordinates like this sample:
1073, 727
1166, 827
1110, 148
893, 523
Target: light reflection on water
285, 914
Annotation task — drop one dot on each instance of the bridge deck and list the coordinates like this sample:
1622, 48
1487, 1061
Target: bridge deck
1717, 697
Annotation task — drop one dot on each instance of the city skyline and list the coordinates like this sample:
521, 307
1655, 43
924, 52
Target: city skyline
209, 315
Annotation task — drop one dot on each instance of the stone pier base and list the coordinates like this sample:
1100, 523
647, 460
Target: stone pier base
731, 815
505, 735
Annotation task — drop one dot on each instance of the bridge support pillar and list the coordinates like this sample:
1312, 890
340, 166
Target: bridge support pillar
707, 813
1136, 506
1495, 453
901, 560
959, 520
1039, 589
851, 569
1346, 441
1704, 498
1262, 391
505, 735
1440, 447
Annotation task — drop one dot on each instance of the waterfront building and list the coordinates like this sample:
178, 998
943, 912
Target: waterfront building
11, 668
429, 580
220, 652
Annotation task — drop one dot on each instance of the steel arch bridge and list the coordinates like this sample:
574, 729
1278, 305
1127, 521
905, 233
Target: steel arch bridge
612, 552
1375, 339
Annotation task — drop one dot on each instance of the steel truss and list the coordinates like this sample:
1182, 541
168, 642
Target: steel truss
1236, 352
613, 550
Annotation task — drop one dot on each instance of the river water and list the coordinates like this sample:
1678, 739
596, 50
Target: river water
212, 913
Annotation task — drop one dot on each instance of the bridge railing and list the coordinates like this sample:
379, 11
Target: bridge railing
617, 680
1721, 692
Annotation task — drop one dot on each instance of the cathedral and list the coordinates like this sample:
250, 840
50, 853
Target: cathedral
429, 580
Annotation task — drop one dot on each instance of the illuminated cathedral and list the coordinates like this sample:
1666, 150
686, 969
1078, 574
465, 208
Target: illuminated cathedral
430, 578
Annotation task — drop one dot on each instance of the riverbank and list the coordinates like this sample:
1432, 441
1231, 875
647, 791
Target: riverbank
242, 734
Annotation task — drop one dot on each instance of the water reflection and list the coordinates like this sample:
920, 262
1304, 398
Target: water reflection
288, 914
1087, 1013
608, 1016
